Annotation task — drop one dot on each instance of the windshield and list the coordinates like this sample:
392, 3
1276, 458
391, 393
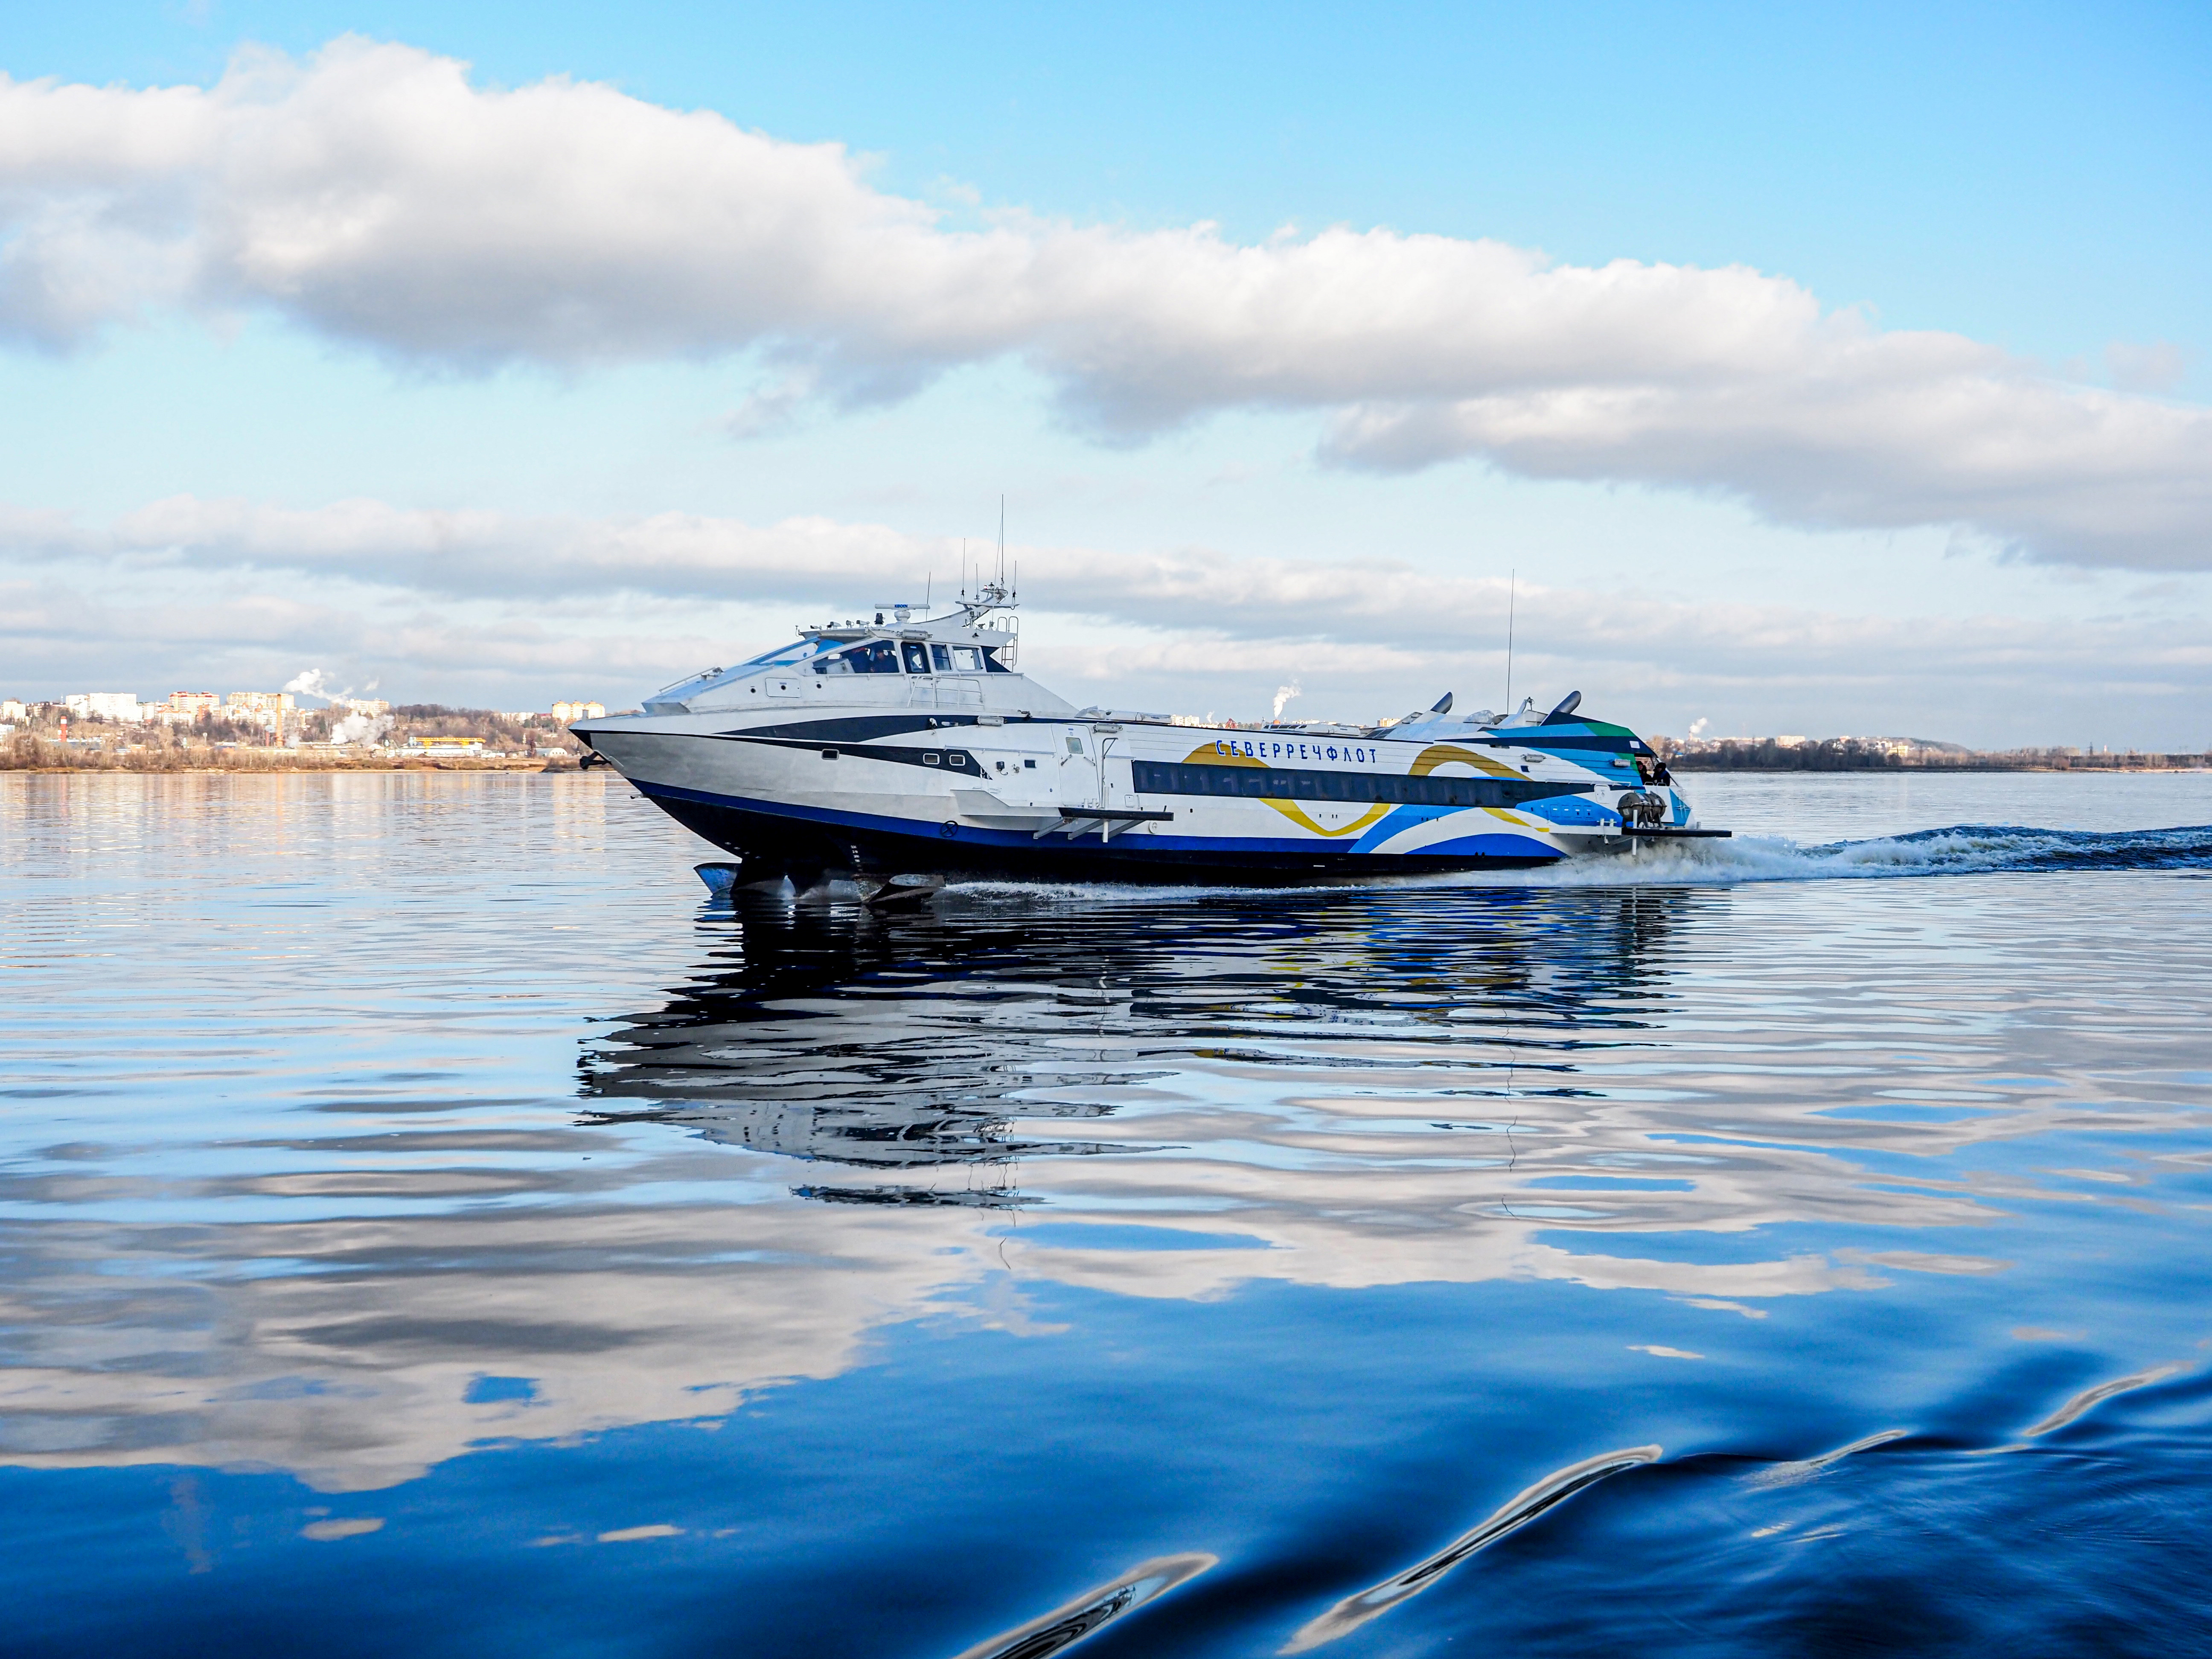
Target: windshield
781, 655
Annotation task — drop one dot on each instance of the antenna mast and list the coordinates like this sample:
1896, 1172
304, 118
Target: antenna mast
1512, 592
993, 595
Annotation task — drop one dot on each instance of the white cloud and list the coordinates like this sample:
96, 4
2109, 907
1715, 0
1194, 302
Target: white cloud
1895, 431
371, 192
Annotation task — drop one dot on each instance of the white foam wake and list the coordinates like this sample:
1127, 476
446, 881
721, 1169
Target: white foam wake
1964, 849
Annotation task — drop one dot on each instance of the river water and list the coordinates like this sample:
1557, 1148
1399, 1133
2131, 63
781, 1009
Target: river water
433, 1225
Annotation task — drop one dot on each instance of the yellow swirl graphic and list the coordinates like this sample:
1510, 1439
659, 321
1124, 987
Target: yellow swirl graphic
1436, 754
1296, 814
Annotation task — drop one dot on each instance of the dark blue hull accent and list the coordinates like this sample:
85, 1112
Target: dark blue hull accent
802, 841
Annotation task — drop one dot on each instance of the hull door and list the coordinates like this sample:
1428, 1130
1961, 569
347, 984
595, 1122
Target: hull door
1080, 782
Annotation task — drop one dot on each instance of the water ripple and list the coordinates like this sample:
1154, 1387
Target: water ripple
1556, 1487
1070, 1622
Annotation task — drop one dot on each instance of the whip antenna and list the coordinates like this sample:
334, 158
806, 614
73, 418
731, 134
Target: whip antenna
1512, 592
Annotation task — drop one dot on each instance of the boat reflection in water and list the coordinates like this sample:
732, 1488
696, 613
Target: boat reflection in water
1445, 1082
973, 1040
846, 1084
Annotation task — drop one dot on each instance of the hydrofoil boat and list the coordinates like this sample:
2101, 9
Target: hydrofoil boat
914, 747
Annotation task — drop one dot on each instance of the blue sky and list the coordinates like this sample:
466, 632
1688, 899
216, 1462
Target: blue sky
2029, 179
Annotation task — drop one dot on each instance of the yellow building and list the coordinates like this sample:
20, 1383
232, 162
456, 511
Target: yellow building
256, 704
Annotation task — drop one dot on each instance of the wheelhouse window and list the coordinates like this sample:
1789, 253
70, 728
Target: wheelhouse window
957, 659
917, 657
874, 657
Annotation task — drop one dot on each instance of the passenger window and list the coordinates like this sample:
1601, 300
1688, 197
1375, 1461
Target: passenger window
917, 658
876, 656
942, 657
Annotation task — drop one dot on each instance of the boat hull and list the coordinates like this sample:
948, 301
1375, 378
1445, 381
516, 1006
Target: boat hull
778, 839
828, 790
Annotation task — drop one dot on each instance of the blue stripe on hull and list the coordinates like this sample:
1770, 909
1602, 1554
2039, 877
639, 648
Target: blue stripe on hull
781, 829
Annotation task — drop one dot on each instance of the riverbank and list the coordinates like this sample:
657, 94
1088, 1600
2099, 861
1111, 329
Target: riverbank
2101, 765
1909, 755
45, 754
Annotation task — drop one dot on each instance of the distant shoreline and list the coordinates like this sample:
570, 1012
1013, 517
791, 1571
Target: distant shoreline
2102, 766
1908, 754
275, 763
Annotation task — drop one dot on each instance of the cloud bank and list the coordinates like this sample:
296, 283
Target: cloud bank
454, 598
823, 563
373, 194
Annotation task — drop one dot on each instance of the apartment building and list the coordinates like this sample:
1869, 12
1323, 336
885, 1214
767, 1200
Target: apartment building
104, 705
